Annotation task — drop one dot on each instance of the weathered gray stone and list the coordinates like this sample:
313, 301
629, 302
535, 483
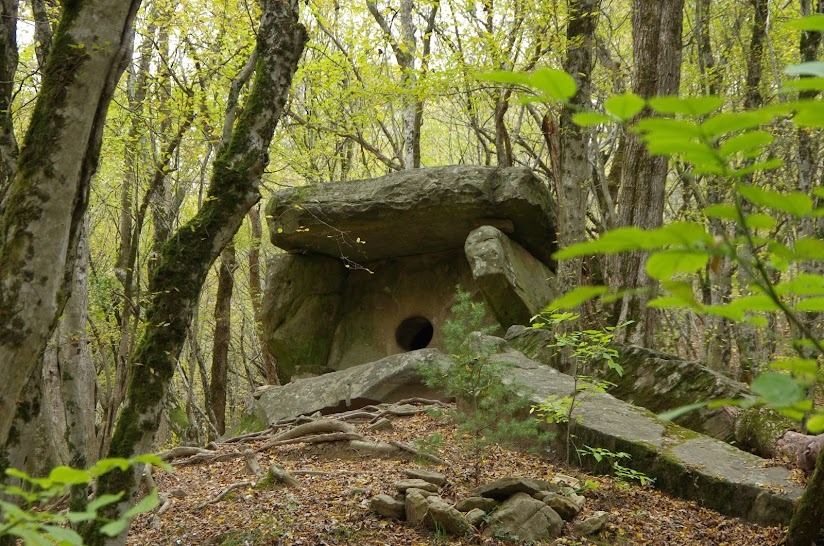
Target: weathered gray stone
506, 487
424, 485
566, 506
389, 380
435, 478
523, 518
423, 492
592, 524
413, 212
475, 517
443, 515
416, 508
514, 283
381, 424
386, 506
471, 503
296, 316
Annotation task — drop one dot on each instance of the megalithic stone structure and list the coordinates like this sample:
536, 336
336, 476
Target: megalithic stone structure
371, 266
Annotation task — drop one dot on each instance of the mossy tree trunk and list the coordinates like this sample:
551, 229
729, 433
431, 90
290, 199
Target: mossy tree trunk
222, 336
186, 258
44, 204
8, 65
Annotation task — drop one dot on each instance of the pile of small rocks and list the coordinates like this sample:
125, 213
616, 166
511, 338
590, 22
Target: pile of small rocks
519, 508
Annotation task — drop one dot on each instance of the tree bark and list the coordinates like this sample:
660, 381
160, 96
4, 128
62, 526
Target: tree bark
222, 335
255, 293
188, 255
47, 198
8, 66
572, 187
656, 51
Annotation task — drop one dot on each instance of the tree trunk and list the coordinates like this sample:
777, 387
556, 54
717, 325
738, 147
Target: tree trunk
572, 187
8, 66
187, 257
45, 202
656, 51
222, 335
255, 293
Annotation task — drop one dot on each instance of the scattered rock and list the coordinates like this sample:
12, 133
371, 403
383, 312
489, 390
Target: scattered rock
475, 517
471, 503
403, 485
592, 524
566, 481
388, 507
566, 507
527, 519
434, 478
416, 507
423, 492
444, 516
178, 493
506, 487
381, 424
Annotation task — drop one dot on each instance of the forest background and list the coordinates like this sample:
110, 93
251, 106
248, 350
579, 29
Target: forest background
380, 87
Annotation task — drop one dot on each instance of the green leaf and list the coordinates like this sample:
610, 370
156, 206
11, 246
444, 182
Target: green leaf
757, 302
147, 503
664, 264
625, 106
107, 465
724, 212
810, 115
114, 528
553, 83
103, 500
586, 119
678, 412
811, 23
796, 203
691, 106
760, 221
815, 304
69, 476
729, 122
669, 302
576, 297
698, 152
504, 76
80, 517
725, 311
812, 68
803, 84
778, 390
800, 366
154, 460
661, 127
761, 166
746, 142
816, 423
809, 248
63, 535
805, 284
681, 290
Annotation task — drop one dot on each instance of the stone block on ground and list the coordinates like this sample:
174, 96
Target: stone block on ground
386, 506
471, 503
523, 518
435, 478
506, 487
592, 524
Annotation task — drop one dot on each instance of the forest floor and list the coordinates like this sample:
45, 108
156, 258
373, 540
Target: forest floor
329, 506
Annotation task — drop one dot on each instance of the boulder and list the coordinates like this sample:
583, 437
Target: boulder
296, 317
416, 508
566, 506
475, 517
443, 515
388, 507
413, 212
592, 524
514, 283
388, 380
506, 487
523, 518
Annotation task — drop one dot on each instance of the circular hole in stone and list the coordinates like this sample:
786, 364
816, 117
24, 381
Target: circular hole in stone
414, 333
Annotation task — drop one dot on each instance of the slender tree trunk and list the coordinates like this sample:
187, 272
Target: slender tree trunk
222, 335
572, 187
46, 201
255, 293
187, 257
656, 51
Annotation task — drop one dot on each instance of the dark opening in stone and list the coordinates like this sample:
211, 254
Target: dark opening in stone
414, 333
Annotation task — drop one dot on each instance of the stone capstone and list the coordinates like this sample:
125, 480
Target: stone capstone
297, 316
423, 485
514, 283
523, 518
413, 212
435, 478
506, 487
388, 380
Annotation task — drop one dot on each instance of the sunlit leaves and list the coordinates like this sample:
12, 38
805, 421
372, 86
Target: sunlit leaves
795, 203
667, 263
576, 297
750, 141
551, 84
632, 238
587, 119
625, 106
689, 106
814, 23
777, 389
